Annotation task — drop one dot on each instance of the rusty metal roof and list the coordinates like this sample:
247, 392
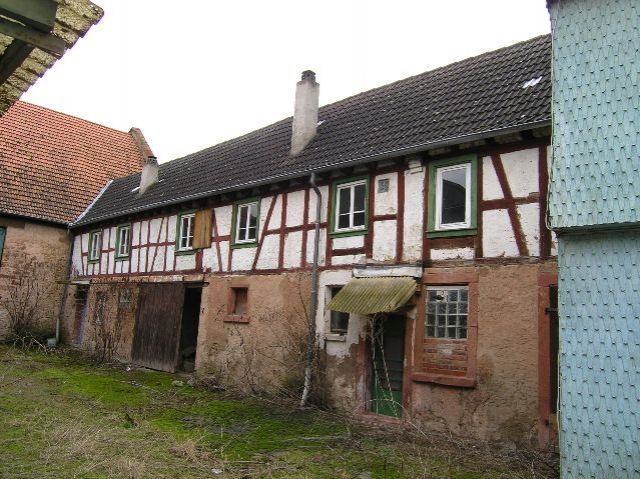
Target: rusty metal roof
72, 20
373, 295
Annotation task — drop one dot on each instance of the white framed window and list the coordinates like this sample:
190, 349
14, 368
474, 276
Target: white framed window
246, 227
123, 241
185, 231
351, 206
453, 197
447, 312
95, 245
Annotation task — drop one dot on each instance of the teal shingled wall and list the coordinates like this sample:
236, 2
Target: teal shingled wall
596, 112
600, 355
595, 189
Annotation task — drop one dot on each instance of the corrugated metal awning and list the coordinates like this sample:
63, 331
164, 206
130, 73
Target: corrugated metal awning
373, 295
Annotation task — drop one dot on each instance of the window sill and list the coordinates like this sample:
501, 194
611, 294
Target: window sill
244, 245
121, 258
236, 318
93, 261
184, 252
452, 233
463, 382
338, 337
343, 234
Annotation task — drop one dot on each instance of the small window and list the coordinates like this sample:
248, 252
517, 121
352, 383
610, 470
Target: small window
447, 312
185, 231
125, 296
95, 245
3, 233
453, 197
246, 223
383, 185
123, 241
339, 322
351, 206
238, 305
240, 296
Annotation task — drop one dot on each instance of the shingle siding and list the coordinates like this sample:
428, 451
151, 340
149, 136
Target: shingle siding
596, 110
475, 96
599, 355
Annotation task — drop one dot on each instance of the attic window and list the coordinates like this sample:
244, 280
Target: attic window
532, 82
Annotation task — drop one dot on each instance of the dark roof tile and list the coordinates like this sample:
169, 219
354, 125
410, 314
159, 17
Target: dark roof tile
474, 96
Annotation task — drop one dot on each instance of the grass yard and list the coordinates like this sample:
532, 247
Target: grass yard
63, 418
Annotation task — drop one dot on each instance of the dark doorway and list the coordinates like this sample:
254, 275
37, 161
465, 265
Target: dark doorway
166, 333
189, 329
554, 340
81, 308
387, 364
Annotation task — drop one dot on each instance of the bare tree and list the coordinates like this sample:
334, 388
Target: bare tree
107, 324
27, 302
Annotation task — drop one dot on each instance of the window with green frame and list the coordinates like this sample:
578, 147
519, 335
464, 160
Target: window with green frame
453, 197
95, 246
246, 223
184, 232
123, 242
350, 212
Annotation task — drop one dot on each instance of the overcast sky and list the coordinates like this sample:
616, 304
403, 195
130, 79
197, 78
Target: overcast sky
193, 73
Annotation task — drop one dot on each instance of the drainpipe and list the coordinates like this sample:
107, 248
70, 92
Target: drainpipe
65, 290
313, 309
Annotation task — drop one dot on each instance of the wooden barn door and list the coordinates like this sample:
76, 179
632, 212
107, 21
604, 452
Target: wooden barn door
157, 335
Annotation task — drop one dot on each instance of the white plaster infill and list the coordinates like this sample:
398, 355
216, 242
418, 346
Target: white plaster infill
371, 271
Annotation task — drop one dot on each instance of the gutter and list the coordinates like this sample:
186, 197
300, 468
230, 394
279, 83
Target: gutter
454, 140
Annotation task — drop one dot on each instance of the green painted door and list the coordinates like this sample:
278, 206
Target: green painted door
388, 365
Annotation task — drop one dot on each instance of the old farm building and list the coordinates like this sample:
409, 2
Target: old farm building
437, 273
51, 167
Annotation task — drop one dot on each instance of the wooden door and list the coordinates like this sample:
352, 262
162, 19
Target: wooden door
157, 335
388, 365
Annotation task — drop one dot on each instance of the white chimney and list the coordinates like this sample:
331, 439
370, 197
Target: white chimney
149, 175
305, 115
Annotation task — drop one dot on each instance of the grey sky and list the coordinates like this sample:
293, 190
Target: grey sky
194, 73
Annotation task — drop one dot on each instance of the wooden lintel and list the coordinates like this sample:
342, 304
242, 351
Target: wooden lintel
48, 43
40, 14
14, 55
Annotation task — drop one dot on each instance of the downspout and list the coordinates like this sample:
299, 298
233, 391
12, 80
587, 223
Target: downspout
313, 309
65, 290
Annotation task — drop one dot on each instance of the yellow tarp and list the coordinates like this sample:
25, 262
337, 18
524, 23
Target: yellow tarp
373, 295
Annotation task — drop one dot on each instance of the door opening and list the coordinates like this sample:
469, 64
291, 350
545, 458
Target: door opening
189, 329
81, 308
387, 364
554, 339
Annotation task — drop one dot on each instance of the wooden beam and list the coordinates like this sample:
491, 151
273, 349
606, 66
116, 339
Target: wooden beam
14, 55
40, 14
50, 44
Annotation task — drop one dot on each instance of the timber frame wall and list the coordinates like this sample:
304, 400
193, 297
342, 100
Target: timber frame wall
511, 205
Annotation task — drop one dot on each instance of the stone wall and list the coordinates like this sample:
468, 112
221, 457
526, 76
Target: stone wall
39, 251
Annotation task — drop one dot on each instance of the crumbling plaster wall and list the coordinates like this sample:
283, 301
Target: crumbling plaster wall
48, 247
266, 353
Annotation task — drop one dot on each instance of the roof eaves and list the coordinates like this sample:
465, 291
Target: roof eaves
298, 173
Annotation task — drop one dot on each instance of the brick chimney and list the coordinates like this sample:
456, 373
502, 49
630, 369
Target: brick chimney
305, 115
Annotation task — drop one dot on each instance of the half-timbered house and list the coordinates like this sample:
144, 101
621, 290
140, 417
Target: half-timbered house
422, 203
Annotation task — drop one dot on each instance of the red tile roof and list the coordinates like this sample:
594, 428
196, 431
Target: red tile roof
52, 165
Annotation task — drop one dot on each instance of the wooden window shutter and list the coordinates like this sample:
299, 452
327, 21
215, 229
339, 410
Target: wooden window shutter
202, 229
